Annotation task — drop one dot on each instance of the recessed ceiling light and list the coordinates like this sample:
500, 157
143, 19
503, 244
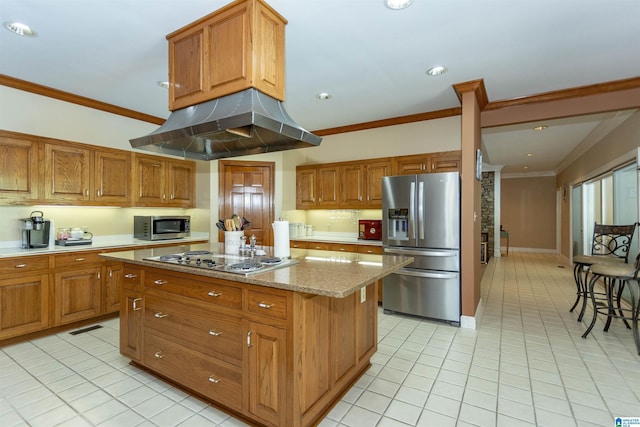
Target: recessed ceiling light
526, 167
541, 127
323, 96
530, 154
163, 84
397, 4
20, 29
436, 71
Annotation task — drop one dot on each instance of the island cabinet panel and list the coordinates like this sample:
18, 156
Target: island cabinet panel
274, 357
312, 346
267, 373
219, 292
218, 335
131, 309
19, 173
24, 304
205, 375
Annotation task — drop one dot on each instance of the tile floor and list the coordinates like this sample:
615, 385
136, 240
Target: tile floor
525, 365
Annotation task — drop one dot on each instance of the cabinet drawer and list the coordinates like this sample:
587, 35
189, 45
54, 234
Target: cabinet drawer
225, 295
212, 333
340, 247
268, 304
298, 244
24, 265
131, 278
76, 259
370, 249
212, 378
319, 246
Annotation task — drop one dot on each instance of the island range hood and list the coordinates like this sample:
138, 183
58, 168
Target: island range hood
226, 88
243, 123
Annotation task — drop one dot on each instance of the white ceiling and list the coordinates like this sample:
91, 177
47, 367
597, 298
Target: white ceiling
370, 58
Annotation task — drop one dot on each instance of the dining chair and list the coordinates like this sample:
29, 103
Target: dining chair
610, 243
615, 278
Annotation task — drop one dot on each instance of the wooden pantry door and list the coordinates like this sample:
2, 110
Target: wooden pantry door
246, 189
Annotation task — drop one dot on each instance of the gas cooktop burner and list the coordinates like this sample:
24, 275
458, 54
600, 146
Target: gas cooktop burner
245, 266
170, 257
197, 253
271, 260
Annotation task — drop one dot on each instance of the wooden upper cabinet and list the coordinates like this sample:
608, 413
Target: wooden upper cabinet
112, 177
352, 192
163, 182
67, 173
448, 161
19, 176
409, 165
181, 183
306, 180
232, 49
328, 187
374, 172
445, 162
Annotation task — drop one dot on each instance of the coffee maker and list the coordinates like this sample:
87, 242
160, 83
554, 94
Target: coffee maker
35, 231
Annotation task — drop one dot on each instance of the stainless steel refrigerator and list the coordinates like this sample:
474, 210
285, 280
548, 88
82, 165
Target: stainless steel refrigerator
421, 218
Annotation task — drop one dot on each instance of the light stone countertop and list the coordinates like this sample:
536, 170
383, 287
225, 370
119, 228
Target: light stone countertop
333, 274
98, 242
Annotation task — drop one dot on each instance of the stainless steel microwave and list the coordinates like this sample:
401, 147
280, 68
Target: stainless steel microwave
161, 227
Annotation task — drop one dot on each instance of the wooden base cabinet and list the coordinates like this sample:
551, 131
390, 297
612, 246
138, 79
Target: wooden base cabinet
268, 356
24, 305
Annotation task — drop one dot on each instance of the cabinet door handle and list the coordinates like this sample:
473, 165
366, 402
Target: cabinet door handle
79, 259
214, 380
130, 276
135, 304
158, 355
160, 315
160, 282
214, 294
21, 265
172, 196
86, 192
265, 305
214, 333
249, 339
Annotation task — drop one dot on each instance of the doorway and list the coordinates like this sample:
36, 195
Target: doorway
246, 189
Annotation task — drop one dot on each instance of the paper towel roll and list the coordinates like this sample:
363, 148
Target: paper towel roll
281, 239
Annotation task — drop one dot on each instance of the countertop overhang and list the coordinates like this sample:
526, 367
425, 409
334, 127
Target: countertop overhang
328, 273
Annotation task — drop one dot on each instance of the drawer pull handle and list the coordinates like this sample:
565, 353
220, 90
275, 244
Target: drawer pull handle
135, 304
160, 282
214, 333
214, 380
130, 276
159, 355
79, 259
265, 305
161, 315
214, 294
21, 265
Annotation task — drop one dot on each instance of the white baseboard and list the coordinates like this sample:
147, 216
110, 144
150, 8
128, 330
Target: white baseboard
538, 250
469, 322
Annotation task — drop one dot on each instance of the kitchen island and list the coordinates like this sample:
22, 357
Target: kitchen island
276, 348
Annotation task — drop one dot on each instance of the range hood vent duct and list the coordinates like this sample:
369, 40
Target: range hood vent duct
239, 124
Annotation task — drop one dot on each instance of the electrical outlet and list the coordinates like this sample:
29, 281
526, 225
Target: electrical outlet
363, 295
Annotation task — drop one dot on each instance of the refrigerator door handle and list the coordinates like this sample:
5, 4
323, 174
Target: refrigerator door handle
444, 253
430, 274
412, 209
421, 224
